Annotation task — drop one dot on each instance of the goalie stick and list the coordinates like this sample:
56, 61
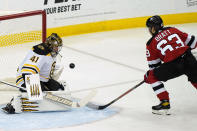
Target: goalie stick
62, 100
91, 105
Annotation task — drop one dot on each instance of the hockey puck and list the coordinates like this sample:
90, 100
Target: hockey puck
72, 65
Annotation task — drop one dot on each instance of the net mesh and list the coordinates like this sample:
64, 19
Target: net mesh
20, 38
17, 36
21, 28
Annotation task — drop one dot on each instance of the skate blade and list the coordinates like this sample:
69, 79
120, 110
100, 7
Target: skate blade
161, 112
4, 110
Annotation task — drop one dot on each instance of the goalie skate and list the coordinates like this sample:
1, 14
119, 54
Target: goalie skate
14, 106
9, 109
162, 108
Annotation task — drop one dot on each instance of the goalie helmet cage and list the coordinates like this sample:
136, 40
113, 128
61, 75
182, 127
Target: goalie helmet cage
18, 31
31, 24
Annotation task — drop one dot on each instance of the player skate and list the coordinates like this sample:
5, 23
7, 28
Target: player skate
162, 108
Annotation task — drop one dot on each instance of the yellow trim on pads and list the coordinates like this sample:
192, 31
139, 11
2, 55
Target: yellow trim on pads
32, 66
28, 70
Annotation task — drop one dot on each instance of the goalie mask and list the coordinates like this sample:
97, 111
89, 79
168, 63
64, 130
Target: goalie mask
54, 43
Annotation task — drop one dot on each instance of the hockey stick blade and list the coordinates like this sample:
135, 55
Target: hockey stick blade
86, 99
105, 106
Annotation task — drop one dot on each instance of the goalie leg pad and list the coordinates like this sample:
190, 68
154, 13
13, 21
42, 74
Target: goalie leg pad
42, 105
21, 103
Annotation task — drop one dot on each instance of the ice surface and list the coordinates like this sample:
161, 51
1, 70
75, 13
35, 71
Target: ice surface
113, 62
44, 120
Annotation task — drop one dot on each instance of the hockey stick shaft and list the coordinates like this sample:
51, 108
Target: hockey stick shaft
6, 83
105, 106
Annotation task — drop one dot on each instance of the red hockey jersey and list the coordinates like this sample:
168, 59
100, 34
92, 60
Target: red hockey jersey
167, 45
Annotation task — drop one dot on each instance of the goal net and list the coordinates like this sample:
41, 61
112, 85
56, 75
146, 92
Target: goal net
22, 28
19, 32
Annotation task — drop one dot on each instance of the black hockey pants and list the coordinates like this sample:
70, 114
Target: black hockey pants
51, 85
185, 64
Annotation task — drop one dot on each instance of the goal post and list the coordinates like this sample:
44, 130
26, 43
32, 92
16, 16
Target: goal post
22, 27
19, 31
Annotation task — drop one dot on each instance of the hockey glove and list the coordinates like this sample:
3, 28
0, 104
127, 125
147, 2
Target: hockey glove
146, 76
149, 77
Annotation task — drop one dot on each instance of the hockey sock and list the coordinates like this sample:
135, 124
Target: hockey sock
160, 91
163, 96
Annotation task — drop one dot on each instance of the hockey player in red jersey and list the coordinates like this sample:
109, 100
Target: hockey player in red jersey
169, 55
